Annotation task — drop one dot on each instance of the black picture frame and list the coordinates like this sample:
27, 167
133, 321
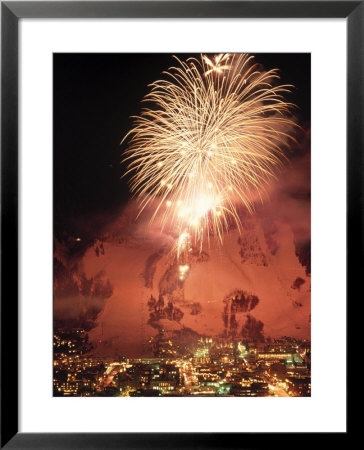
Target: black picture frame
11, 12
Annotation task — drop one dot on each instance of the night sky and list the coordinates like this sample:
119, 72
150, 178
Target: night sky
94, 97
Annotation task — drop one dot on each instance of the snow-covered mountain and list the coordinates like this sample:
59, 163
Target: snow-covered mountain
253, 286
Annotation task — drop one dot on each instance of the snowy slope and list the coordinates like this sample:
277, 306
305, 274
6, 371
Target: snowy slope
260, 262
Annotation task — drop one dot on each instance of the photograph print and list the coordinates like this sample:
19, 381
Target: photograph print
182, 225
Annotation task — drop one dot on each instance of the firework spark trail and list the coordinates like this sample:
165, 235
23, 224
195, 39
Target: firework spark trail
213, 136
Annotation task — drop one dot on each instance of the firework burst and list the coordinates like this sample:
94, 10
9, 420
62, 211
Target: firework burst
216, 63
212, 136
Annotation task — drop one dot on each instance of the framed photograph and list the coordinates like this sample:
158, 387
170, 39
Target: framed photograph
181, 190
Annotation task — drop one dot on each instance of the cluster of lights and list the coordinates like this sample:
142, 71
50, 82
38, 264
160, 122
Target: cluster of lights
183, 271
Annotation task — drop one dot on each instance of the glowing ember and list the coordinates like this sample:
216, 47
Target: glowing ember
183, 270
